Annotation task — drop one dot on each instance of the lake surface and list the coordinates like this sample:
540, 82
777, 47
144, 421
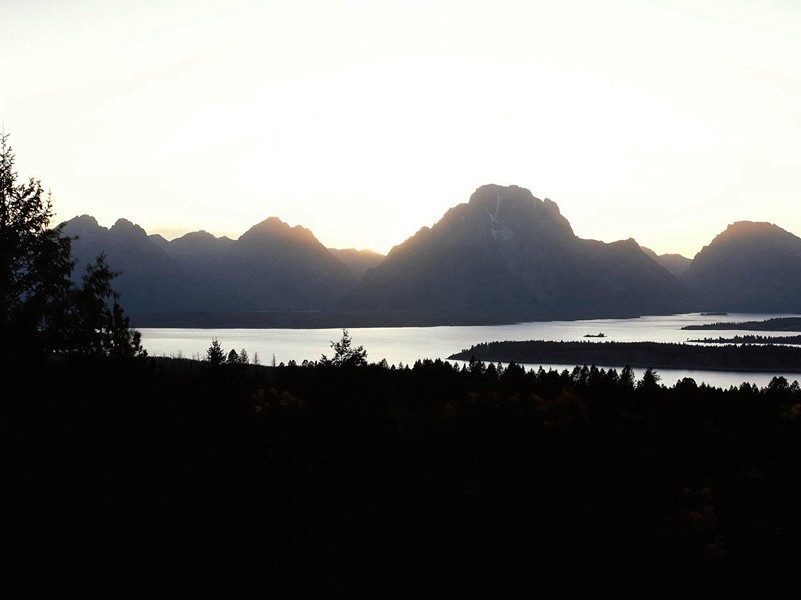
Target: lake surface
407, 344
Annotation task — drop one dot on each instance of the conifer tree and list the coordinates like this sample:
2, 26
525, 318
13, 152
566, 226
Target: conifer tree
35, 262
345, 355
215, 354
40, 308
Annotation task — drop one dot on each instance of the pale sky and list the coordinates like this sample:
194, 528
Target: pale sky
662, 120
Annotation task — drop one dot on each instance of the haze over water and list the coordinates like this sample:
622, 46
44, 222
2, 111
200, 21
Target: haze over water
408, 344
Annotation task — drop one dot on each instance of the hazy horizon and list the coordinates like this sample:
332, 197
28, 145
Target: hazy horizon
663, 120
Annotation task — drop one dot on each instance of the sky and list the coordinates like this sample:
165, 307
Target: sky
661, 120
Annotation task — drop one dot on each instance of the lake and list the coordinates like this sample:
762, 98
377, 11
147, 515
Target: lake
407, 344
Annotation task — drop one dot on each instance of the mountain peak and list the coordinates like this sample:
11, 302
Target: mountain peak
507, 252
126, 227
742, 234
750, 267
512, 210
198, 235
273, 226
629, 242
493, 192
159, 240
81, 226
83, 221
200, 243
745, 229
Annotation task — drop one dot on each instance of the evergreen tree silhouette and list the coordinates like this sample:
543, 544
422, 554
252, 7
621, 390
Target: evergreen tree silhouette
40, 309
215, 354
345, 355
35, 262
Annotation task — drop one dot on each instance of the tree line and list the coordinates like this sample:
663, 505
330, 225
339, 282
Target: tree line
43, 311
767, 358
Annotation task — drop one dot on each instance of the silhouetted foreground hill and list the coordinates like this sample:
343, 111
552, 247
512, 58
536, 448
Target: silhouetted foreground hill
640, 354
504, 256
317, 481
750, 267
509, 254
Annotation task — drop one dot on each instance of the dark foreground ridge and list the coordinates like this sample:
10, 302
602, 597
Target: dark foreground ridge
777, 324
655, 355
325, 480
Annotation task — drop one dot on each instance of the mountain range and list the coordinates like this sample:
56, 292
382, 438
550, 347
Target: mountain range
502, 256
508, 254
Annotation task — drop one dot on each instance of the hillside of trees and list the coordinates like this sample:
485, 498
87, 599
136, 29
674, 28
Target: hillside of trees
775, 324
334, 477
794, 340
763, 358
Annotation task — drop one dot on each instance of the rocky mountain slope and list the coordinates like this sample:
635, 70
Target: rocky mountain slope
272, 267
750, 267
506, 252
503, 256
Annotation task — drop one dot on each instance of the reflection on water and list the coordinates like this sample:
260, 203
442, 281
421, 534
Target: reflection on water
407, 344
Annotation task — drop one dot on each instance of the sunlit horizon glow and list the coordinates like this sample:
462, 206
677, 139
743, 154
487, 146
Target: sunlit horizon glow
661, 120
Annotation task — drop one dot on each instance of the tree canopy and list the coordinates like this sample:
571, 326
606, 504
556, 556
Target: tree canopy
41, 310
345, 355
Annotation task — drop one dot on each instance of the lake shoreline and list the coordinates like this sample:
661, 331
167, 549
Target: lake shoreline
352, 320
655, 355
407, 344
398, 319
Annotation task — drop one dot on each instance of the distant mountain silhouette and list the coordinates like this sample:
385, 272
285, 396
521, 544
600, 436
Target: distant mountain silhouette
272, 267
358, 261
508, 253
750, 267
676, 264
277, 267
158, 239
503, 256
198, 244
149, 279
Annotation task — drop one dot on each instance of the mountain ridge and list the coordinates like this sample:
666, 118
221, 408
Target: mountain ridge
502, 256
750, 266
270, 267
506, 251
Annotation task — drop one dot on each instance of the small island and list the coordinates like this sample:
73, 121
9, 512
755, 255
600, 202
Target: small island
769, 358
776, 324
595, 335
